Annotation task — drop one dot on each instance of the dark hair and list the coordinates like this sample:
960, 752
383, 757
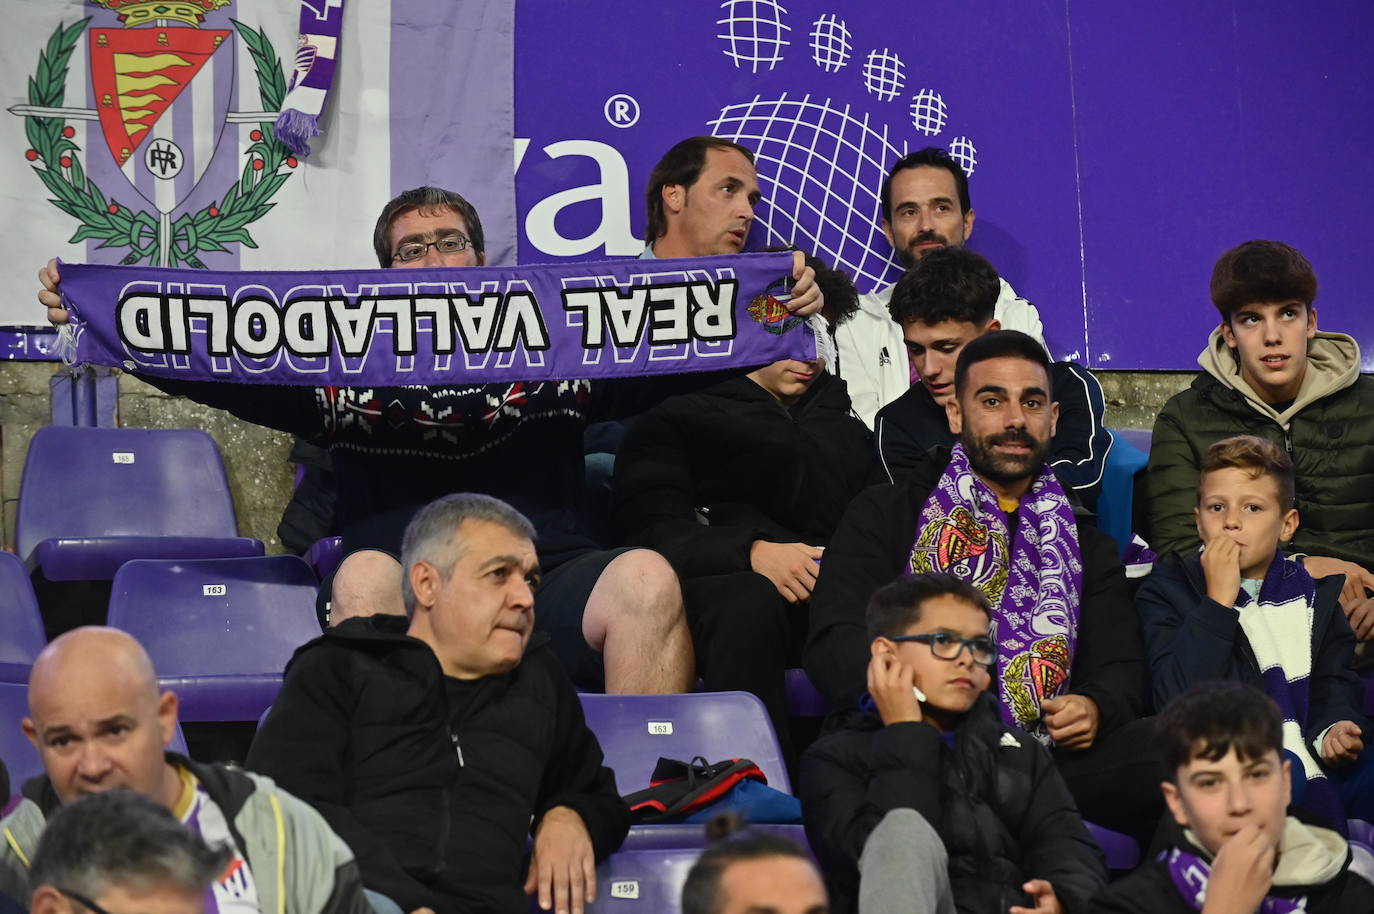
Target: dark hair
896, 606
1211, 719
680, 165
701, 891
120, 838
841, 298
949, 284
1257, 456
425, 199
1261, 271
1000, 344
931, 157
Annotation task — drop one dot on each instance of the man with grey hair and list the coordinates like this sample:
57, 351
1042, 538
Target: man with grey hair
437, 743
100, 723
117, 851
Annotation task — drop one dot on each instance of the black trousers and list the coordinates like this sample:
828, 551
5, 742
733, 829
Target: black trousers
745, 636
1116, 780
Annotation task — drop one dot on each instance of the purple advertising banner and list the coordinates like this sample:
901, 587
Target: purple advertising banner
425, 327
1114, 150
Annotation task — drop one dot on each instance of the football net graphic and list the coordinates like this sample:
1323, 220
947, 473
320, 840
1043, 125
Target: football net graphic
884, 74
821, 171
753, 33
831, 43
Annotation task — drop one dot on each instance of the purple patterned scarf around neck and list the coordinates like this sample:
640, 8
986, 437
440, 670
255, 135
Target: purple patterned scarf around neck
1033, 580
1190, 874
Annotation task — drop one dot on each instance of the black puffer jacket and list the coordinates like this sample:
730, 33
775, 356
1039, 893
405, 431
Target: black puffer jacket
437, 805
703, 475
995, 798
1328, 431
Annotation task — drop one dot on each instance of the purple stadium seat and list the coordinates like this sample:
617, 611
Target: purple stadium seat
803, 698
325, 555
94, 498
646, 880
21, 759
1120, 851
1138, 438
220, 631
635, 731
20, 621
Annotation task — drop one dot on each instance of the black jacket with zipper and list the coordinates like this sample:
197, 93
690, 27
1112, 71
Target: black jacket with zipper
703, 475
437, 805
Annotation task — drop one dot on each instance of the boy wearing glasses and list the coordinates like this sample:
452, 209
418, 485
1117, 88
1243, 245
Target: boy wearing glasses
923, 799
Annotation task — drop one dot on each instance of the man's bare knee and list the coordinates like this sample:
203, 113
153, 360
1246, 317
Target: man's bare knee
366, 582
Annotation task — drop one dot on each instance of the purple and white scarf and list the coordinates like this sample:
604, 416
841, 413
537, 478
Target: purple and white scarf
473, 325
1190, 874
1033, 580
313, 75
1278, 628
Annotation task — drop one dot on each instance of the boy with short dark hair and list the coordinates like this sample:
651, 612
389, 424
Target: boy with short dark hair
1234, 849
925, 791
1268, 371
1243, 611
942, 303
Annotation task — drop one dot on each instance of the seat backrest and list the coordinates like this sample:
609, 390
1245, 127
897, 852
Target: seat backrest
21, 759
122, 482
214, 617
636, 730
21, 623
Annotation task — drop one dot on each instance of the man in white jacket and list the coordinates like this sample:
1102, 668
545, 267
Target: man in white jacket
925, 206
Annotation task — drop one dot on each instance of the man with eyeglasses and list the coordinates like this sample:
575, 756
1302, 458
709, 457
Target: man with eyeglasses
1070, 664
926, 798
100, 723
118, 853
615, 616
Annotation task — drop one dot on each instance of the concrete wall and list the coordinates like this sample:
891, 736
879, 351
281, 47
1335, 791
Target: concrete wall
255, 457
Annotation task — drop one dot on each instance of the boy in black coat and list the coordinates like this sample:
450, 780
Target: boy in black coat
997, 829
1235, 849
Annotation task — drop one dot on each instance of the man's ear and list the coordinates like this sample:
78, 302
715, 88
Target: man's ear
673, 197
425, 582
1174, 800
953, 415
481, 258
1311, 322
993, 324
47, 900
1197, 520
880, 645
1287, 773
1054, 417
167, 704
887, 231
968, 224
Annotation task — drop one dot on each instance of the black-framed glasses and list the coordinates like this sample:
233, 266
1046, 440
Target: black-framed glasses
946, 646
82, 900
414, 250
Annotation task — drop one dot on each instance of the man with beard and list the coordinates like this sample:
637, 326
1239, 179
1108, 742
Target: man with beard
941, 304
925, 207
1070, 665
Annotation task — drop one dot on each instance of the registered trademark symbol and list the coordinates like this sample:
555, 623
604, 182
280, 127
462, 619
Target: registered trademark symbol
621, 110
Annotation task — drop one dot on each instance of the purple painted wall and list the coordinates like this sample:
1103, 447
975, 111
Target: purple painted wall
1119, 147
